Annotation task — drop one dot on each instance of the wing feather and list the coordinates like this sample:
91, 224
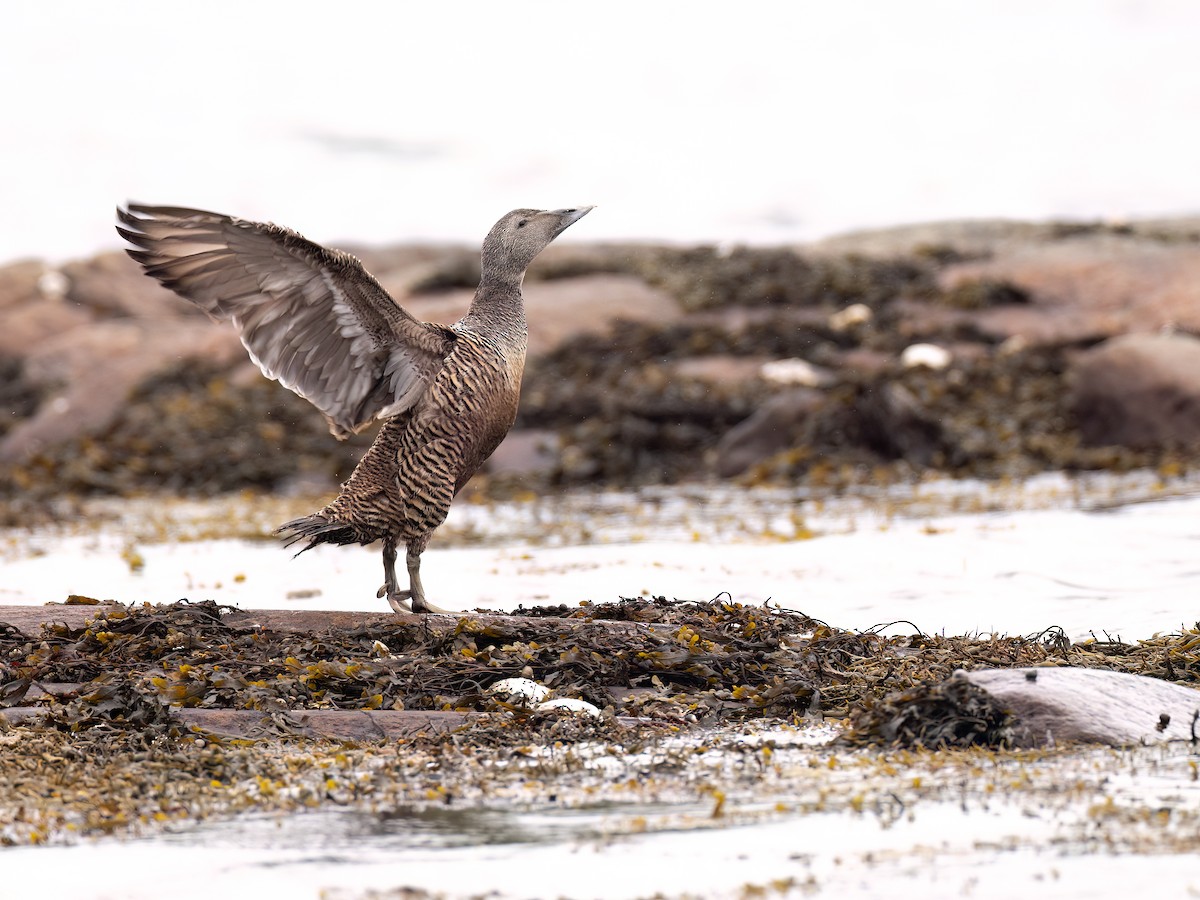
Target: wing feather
312, 319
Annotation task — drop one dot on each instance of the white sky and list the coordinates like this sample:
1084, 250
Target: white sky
683, 121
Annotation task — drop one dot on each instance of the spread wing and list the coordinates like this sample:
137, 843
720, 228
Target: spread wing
312, 319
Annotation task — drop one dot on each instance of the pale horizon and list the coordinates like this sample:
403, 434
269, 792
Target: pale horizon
780, 123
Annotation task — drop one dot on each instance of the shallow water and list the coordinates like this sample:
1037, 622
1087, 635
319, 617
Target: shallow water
1116, 556
1093, 824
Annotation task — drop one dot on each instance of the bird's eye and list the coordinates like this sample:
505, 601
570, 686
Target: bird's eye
521, 224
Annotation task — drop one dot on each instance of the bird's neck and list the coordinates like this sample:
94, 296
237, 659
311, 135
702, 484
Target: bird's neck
498, 308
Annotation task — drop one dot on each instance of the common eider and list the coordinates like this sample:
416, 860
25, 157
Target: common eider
317, 322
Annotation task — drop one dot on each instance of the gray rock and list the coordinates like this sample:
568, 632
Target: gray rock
1140, 391
525, 452
90, 372
19, 282
768, 431
112, 284
897, 426
1055, 705
1125, 281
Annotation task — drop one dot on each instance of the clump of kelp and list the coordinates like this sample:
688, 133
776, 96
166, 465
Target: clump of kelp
106, 747
936, 715
667, 662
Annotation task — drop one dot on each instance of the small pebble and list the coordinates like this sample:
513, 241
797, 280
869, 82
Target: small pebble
930, 356
853, 315
795, 371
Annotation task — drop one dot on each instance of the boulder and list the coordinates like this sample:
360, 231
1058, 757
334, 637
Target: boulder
1042, 706
770, 430
1062, 704
89, 373
1133, 281
1050, 326
113, 284
1140, 391
29, 325
896, 426
19, 283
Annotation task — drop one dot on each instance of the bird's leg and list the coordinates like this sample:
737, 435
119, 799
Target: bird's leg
396, 598
415, 589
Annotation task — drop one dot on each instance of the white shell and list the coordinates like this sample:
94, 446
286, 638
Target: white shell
53, 284
1013, 345
519, 691
931, 356
794, 371
852, 315
571, 704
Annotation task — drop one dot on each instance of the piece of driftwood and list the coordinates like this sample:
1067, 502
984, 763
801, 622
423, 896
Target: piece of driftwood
28, 619
1061, 704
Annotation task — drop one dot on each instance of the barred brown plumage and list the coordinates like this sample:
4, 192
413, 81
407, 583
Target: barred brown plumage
317, 322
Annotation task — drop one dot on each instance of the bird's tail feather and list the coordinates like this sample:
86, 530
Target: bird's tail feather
317, 529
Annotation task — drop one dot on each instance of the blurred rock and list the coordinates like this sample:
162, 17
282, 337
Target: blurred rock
1135, 281
112, 284
863, 362
29, 325
19, 283
89, 373
853, 316
954, 241
798, 372
929, 356
1050, 325
770, 430
1140, 391
525, 453
897, 426
651, 363
720, 368
560, 310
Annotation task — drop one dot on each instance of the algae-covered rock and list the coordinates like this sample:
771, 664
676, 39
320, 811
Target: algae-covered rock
647, 364
1140, 391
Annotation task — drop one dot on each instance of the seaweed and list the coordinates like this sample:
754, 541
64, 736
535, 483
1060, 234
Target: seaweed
714, 662
106, 749
949, 714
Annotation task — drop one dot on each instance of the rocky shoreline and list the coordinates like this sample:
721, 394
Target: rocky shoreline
988, 349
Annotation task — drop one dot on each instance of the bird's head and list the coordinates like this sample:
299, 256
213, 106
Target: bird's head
522, 234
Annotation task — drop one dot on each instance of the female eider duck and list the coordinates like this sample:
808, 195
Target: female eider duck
317, 322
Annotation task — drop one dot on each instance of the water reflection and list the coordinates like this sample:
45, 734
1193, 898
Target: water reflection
337, 832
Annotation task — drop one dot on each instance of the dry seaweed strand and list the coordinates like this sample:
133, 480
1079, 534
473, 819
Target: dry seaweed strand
692, 662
